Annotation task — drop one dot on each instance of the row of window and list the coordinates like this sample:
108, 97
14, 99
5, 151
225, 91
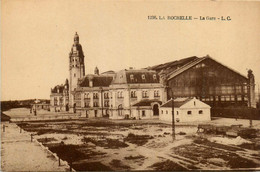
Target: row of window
56, 101
96, 104
225, 98
120, 95
145, 94
188, 112
143, 77
96, 95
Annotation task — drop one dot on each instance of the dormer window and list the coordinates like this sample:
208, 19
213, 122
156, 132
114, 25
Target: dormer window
154, 77
132, 77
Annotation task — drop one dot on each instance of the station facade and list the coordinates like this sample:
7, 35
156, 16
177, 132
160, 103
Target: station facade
138, 93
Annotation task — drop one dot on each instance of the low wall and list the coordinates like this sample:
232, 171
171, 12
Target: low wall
44, 118
242, 113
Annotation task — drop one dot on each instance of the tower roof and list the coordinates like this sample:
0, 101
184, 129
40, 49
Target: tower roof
76, 39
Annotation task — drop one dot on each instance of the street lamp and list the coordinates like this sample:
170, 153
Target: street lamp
173, 122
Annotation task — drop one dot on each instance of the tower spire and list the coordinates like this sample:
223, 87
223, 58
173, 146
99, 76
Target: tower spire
76, 38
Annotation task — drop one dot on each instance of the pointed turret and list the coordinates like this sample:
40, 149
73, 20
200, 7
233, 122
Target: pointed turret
96, 71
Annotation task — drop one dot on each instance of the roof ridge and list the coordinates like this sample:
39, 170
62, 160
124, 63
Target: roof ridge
228, 67
188, 65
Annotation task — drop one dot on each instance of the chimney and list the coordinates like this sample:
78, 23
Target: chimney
96, 71
90, 78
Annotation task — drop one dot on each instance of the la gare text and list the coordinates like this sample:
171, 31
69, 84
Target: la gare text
155, 17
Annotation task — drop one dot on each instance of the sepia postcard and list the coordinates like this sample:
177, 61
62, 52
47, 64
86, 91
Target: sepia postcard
130, 85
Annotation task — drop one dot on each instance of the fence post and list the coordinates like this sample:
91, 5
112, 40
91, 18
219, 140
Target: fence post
3, 128
31, 137
59, 161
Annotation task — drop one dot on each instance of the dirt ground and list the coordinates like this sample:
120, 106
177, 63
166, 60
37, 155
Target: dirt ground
102, 144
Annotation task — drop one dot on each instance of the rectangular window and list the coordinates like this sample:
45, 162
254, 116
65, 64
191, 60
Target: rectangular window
177, 112
162, 111
156, 93
238, 89
133, 94
167, 112
95, 104
200, 112
245, 89
120, 94
189, 112
145, 94
143, 113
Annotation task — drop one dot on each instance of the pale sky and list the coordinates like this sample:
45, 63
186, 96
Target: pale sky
37, 35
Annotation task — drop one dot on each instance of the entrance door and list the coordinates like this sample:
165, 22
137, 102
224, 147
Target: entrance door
67, 107
155, 110
120, 109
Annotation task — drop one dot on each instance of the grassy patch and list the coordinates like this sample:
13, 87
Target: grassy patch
69, 153
168, 166
91, 166
46, 140
206, 142
252, 146
138, 139
118, 164
106, 143
203, 154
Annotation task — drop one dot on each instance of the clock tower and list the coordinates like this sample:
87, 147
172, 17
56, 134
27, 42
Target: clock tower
76, 67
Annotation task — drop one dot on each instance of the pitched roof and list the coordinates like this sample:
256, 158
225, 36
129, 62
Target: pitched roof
178, 102
187, 66
58, 89
147, 102
134, 76
173, 64
98, 81
108, 72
